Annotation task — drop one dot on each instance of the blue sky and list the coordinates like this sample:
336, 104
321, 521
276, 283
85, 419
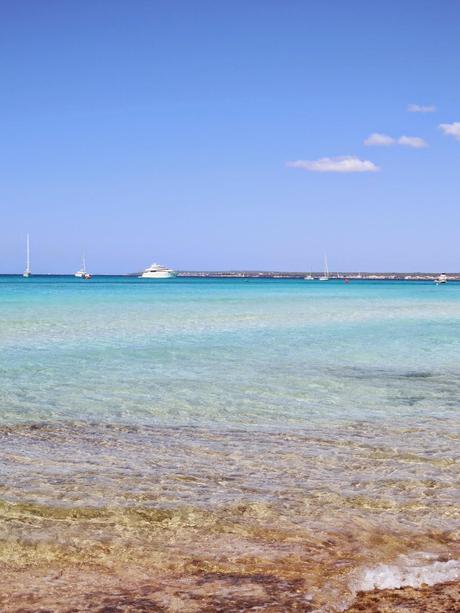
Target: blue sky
195, 133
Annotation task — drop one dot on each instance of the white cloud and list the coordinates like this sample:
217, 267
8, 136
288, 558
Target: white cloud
379, 140
384, 140
412, 141
417, 108
346, 163
451, 129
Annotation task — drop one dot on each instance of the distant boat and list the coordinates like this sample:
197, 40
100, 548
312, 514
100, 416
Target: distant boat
155, 271
441, 279
82, 273
309, 277
325, 276
27, 271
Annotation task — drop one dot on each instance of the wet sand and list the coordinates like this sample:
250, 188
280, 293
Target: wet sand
67, 592
440, 598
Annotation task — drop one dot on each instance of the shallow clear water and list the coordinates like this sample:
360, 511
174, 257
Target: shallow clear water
293, 431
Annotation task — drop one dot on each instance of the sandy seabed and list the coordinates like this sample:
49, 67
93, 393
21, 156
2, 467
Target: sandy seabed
440, 598
78, 591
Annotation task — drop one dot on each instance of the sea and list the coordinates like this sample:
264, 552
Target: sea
225, 444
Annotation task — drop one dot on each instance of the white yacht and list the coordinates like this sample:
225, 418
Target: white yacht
27, 272
441, 279
325, 276
155, 271
82, 273
309, 277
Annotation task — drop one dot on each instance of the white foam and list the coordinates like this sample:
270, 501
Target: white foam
410, 571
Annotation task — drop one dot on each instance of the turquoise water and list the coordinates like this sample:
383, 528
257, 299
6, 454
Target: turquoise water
317, 408
264, 353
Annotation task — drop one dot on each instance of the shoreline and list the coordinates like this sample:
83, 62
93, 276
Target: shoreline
441, 597
93, 590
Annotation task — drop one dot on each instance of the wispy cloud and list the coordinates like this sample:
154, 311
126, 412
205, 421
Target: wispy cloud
379, 140
451, 129
346, 163
412, 141
419, 108
384, 140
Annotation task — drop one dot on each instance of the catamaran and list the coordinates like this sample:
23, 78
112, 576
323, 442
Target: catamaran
441, 279
82, 273
27, 271
155, 271
325, 276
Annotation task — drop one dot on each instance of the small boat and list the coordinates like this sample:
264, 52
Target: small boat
156, 271
309, 277
325, 276
27, 272
82, 273
441, 279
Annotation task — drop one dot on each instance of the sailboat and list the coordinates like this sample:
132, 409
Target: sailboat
82, 273
27, 271
325, 276
441, 279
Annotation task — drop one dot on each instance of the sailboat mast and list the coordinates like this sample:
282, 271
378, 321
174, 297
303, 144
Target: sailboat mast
28, 254
84, 263
326, 268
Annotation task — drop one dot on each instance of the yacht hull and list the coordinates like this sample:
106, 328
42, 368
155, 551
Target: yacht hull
157, 275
